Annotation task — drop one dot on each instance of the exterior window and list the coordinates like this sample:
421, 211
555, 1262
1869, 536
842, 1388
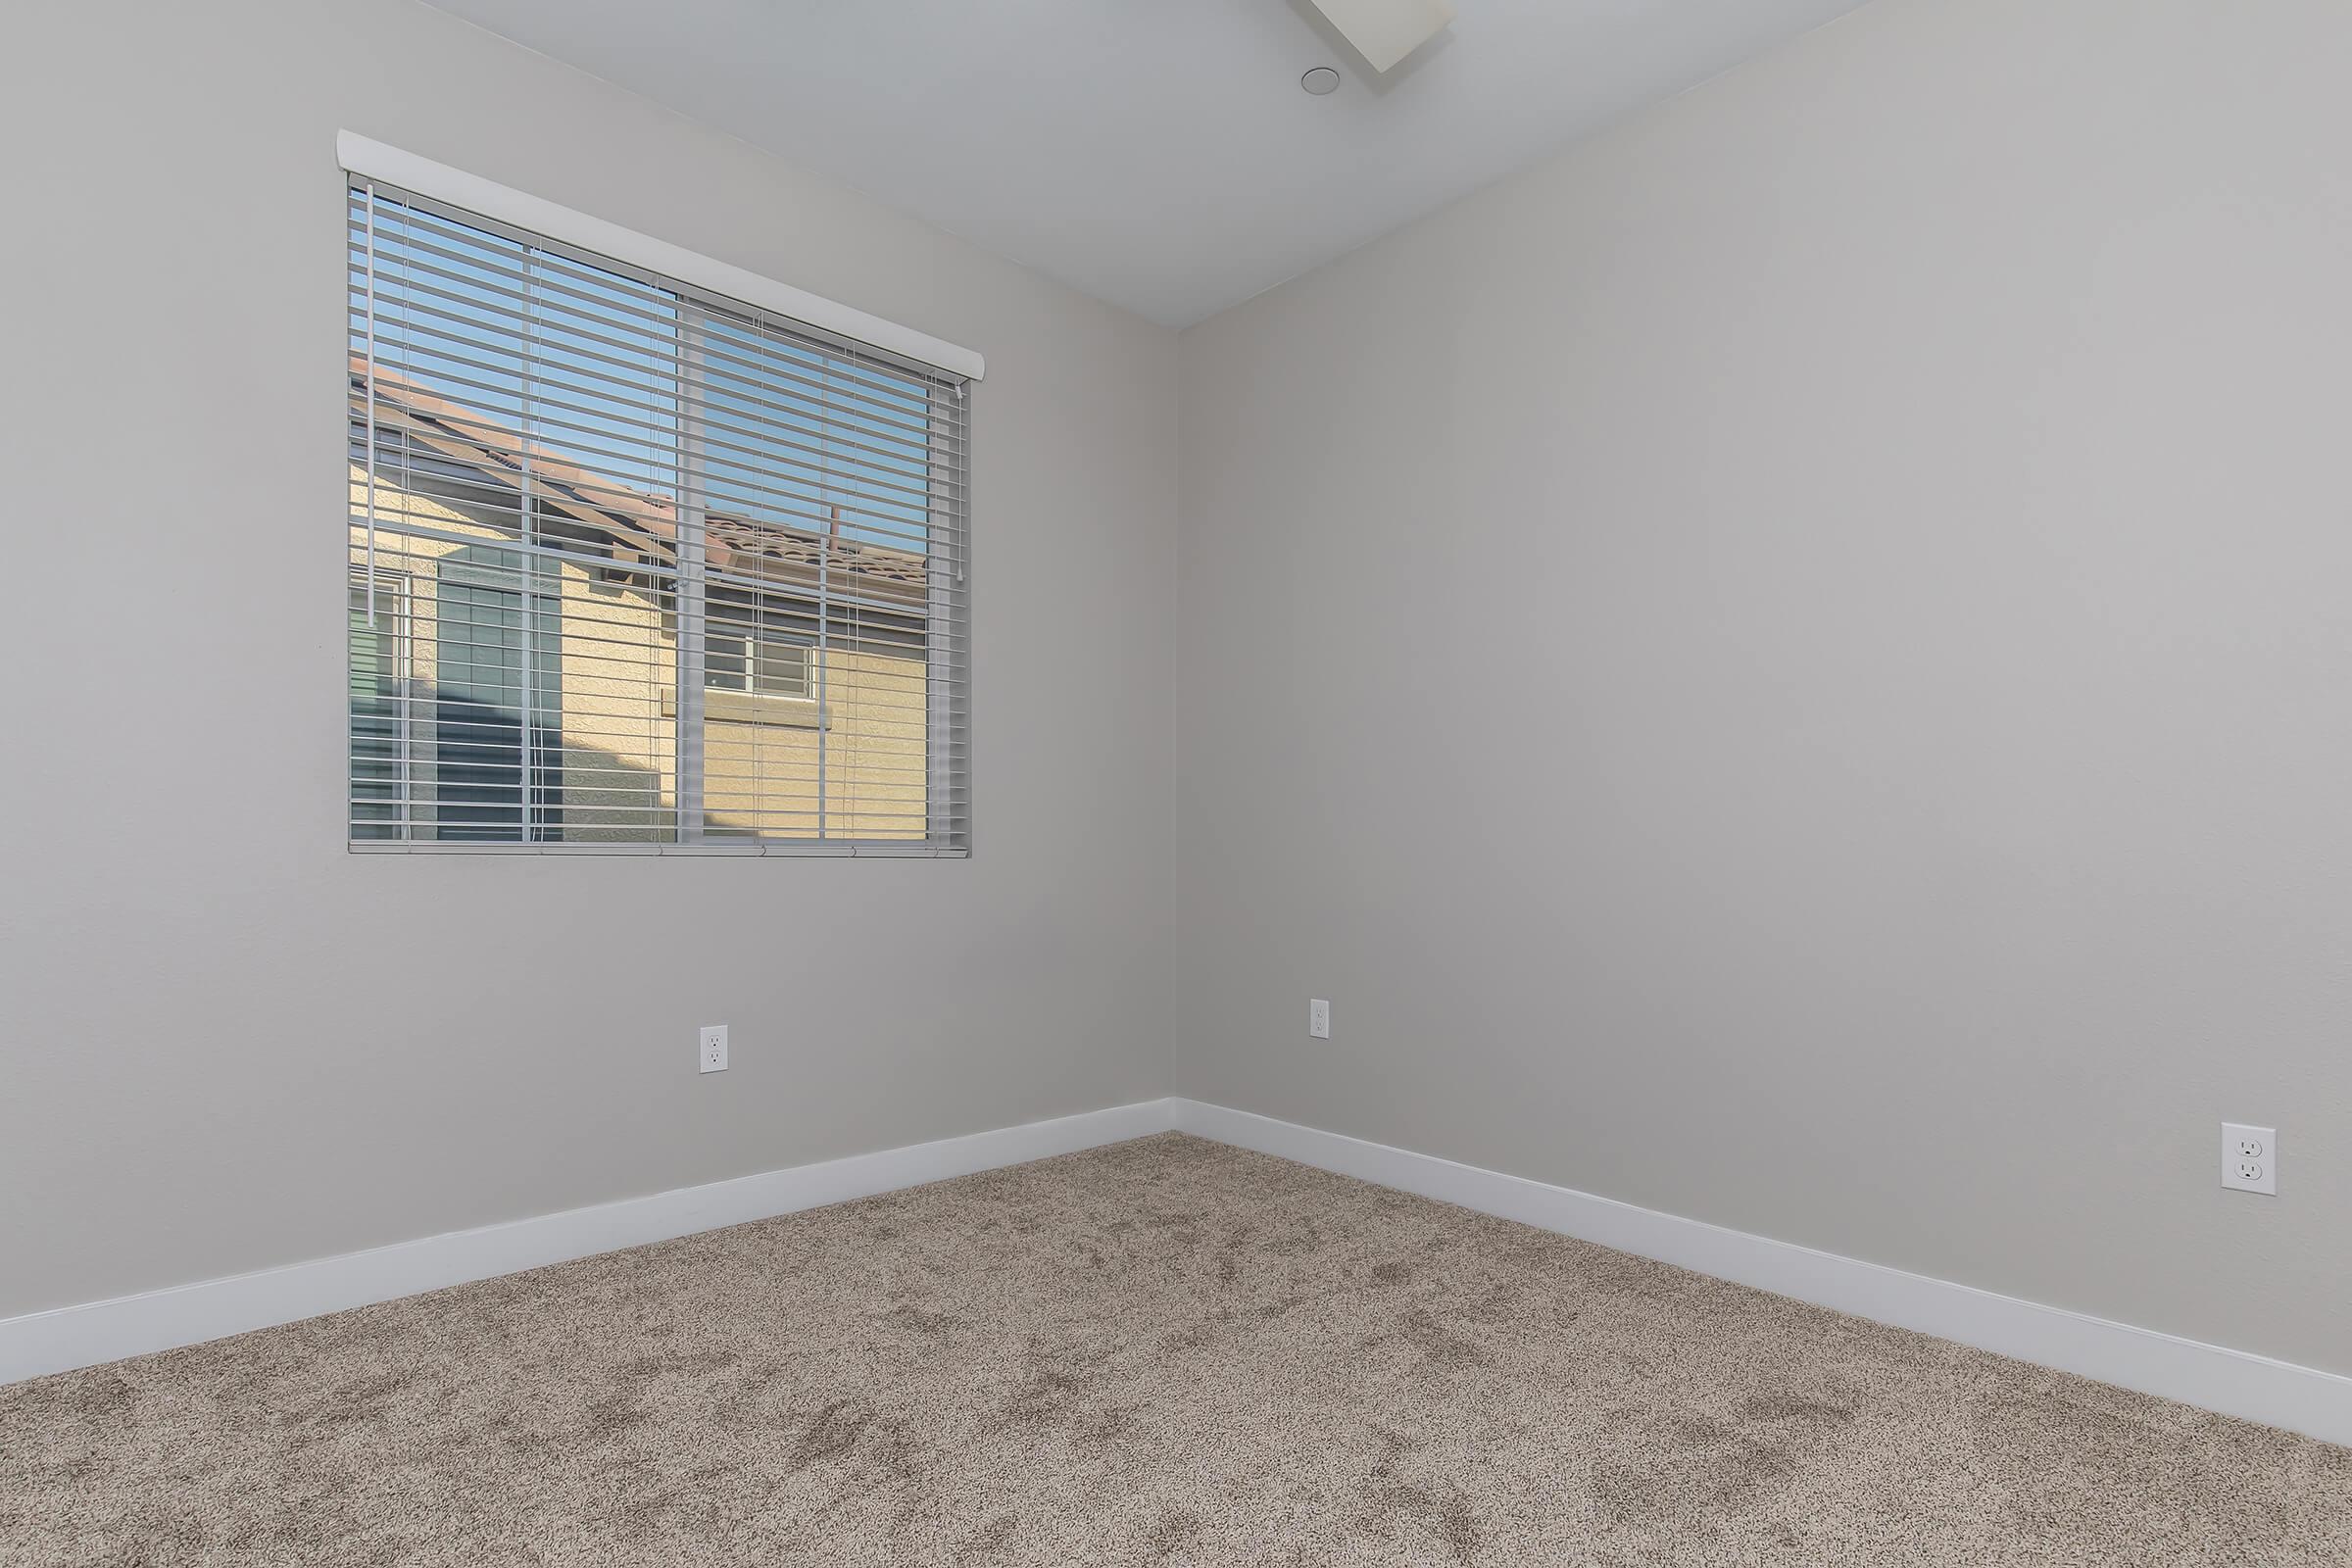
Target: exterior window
607, 517
742, 662
379, 668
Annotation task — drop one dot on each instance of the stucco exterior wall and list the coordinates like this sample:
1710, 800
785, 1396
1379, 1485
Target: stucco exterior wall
612, 687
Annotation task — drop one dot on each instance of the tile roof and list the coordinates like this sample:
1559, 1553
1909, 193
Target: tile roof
638, 527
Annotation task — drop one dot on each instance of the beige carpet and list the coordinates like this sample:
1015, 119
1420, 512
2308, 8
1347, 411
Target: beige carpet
1166, 1351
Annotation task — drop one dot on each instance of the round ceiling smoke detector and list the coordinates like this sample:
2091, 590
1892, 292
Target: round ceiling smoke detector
1321, 82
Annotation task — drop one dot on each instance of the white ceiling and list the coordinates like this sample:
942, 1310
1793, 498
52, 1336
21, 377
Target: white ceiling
1158, 154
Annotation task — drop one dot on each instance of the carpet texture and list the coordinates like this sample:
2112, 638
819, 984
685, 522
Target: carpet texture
1165, 1351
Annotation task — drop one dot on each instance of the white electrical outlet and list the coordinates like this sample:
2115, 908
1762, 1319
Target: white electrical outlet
713, 1051
1318, 1018
2250, 1157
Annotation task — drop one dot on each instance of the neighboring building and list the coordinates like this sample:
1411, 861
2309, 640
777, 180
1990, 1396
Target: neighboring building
499, 695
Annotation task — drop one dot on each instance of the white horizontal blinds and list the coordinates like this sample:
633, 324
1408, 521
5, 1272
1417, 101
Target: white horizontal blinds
632, 566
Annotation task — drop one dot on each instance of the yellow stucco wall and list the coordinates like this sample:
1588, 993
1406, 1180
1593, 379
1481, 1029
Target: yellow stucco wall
615, 691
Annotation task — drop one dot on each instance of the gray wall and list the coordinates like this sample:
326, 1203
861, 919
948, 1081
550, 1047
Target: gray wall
1787, 665
223, 1042
1790, 665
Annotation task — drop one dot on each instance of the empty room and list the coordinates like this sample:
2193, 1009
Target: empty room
1392, 782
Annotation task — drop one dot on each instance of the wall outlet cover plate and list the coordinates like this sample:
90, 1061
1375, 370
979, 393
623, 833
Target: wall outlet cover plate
2249, 1157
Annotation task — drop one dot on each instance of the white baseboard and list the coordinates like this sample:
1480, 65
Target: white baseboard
157, 1320
2256, 1387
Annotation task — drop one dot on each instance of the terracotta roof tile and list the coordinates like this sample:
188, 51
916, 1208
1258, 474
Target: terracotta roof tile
642, 525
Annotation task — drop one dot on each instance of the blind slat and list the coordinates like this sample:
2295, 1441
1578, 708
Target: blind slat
583, 494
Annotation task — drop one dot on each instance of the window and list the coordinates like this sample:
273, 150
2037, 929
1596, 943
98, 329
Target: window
379, 680
746, 662
634, 565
